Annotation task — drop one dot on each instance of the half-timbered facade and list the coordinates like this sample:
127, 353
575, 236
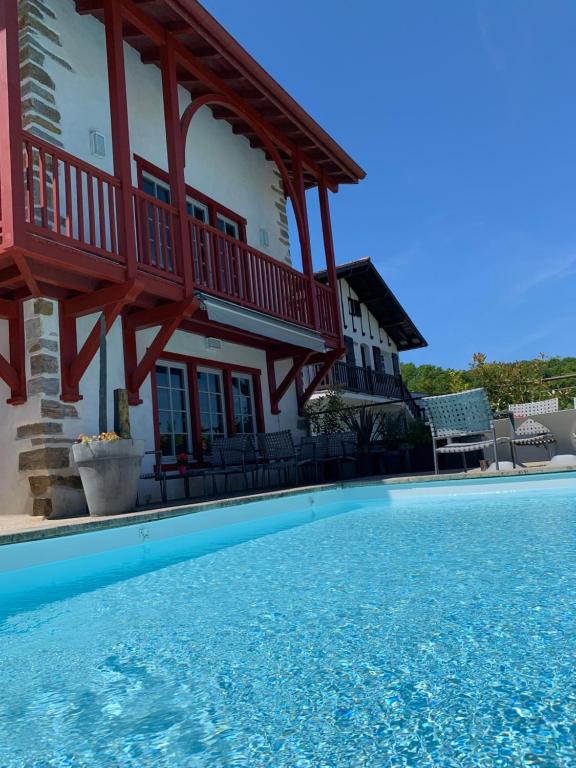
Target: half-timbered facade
147, 163
375, 330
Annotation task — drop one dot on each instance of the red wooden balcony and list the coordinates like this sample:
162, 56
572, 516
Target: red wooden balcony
74, 205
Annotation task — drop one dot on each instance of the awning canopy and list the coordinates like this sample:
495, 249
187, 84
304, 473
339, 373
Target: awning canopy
190, 24
226, 313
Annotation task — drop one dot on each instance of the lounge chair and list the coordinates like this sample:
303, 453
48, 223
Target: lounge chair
465, 417
531, 432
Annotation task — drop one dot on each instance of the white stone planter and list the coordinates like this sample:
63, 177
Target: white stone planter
109, 472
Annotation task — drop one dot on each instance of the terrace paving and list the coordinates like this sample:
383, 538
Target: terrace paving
21, 528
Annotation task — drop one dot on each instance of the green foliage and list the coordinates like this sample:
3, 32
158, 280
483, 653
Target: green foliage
368, 424
506, 383
325, 413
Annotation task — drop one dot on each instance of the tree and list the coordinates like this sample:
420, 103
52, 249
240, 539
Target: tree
506, 383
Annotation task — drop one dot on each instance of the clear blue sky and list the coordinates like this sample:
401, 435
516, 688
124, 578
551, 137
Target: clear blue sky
463, 114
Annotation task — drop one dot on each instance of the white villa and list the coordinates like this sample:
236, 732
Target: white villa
146, 166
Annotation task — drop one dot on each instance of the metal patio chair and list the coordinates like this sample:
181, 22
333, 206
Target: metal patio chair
466, 417
157, 474
309, 455
531, 432
229, 456
278, 453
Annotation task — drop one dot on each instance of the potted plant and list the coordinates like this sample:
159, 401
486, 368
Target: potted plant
182, 463
109, 463
366, 423
109, 468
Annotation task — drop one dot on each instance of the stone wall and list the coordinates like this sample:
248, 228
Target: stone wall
46, 427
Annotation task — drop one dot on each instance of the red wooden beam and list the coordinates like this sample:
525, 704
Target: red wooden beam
11, 156
148, 318
8, 309
17, 368
176, 148
24, 268
329, 253
305, 246
154, 351
168, 317
89, 303
277, 392
120, 130
73, 362
329, 360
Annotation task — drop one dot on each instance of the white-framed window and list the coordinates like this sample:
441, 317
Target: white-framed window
173, 409
197, 210
243, 404
158, 220
212, 406
227, 226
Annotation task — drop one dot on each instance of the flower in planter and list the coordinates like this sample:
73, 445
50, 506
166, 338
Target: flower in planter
182, 460
103, 437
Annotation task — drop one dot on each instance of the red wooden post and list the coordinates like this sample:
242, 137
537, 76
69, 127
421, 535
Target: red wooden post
329, 251
11, 148
176, 155
120, 130
305, 246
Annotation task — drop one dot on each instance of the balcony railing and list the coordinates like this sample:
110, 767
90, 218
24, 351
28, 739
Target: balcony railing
78, 205
354, 378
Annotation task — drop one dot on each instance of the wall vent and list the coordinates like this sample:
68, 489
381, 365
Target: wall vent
212, 343
97, 144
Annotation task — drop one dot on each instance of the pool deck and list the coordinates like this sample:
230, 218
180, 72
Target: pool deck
21, 528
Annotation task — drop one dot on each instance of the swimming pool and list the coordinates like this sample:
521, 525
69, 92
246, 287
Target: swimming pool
425, 625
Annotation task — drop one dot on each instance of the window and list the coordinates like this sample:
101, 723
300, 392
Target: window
396, 364
364, 350
173, 409
378, 362
158, 219
212, 413
354, 307
227, 226
197, 210
243, 404
350, 353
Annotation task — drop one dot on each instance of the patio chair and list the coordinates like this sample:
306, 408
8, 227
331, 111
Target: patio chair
531, 432
278, 453
309, 455
466, 416
229, 456
157, 474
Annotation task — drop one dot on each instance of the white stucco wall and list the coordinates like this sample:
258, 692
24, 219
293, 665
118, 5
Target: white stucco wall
359, 331
219, 163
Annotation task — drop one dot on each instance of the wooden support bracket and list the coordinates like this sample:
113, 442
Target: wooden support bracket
168, 317
13, 372
74, 362
277, 392
329, 359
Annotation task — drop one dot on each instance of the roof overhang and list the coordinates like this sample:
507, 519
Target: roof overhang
190, 25
373, 291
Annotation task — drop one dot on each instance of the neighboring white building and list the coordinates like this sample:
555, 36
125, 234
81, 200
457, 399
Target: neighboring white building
375, 329
158, 160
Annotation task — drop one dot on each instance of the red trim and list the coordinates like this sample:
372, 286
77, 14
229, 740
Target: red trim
74, 362
277, 391
120, 130
11, 164
228, 369
214, 207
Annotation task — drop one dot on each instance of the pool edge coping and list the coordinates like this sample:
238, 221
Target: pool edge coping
92, 524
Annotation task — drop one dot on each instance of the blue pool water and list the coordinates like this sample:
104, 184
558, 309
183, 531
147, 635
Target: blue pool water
421, 632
